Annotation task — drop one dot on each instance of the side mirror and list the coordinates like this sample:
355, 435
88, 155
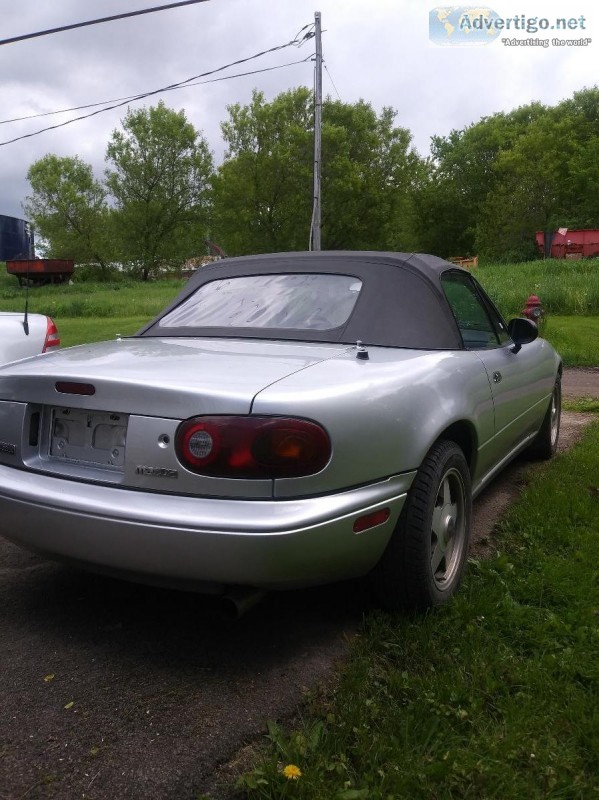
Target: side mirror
521, 331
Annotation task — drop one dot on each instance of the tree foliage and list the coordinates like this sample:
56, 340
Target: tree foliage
369, 170
263, 189
485, 189
69, 211
263, 192
492, 185
159, 176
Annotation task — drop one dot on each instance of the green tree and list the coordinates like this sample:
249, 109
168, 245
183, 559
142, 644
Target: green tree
69, 211
368, 172
532, 191
462, 174
159, 176
492, 185
583, 160
263, 190
546, 179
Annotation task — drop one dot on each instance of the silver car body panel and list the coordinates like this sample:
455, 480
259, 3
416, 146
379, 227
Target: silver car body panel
147, 376
185, 539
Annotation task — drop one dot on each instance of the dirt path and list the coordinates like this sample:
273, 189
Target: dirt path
581, 383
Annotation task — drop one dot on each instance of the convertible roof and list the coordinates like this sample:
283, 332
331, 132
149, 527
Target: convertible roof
401, 303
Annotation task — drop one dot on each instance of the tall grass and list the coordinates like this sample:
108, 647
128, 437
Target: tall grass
124, 298
565, 287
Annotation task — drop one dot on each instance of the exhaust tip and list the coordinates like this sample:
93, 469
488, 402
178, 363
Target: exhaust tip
239, 600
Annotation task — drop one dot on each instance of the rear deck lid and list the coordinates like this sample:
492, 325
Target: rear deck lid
159, 377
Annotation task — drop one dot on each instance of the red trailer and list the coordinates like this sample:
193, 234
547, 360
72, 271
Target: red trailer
567, 243
40, 271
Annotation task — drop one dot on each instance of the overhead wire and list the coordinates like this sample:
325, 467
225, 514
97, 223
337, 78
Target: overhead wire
99, 20
143, 95
331, 79
135, 96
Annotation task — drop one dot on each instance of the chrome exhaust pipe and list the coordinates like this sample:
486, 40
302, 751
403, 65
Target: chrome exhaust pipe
239, 600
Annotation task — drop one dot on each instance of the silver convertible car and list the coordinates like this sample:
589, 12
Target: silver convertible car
289, 420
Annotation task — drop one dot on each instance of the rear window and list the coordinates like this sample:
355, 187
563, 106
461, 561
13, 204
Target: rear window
296, 301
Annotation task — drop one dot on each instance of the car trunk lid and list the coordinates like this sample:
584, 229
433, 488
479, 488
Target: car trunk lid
109, 412
151, 376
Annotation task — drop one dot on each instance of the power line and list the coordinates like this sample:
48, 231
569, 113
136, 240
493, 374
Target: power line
135, 96
331, 79
142, 96
99, 20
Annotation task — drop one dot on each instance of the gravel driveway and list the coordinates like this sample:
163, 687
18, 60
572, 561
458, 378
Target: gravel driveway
111, 691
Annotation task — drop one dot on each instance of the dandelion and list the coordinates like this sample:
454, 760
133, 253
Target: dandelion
292, 772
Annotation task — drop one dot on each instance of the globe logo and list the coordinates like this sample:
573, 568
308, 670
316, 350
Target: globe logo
462, 25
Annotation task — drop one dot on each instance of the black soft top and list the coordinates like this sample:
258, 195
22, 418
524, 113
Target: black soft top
401, 303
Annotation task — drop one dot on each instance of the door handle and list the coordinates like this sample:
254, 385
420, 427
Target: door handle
497, 377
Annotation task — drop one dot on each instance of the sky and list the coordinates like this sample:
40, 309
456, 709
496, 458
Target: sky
377, 50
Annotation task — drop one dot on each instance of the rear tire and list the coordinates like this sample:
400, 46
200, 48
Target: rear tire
424, 561
544, 446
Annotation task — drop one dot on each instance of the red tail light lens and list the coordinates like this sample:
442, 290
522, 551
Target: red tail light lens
252, 447
70, 387
52, 337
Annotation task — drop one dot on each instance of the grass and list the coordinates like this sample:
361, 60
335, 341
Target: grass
493, 696
585, 405
565, 287
575, 338
81, 330
91, 300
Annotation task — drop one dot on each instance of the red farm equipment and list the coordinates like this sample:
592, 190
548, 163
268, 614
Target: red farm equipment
566, 243
41, 271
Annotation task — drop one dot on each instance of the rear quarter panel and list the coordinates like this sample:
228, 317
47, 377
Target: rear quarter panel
382, 414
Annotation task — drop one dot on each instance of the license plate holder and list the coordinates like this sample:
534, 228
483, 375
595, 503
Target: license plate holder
97, 438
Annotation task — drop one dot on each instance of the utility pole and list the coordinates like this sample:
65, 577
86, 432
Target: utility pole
315, 240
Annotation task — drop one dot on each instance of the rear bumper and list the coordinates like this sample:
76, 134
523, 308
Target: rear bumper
174, 540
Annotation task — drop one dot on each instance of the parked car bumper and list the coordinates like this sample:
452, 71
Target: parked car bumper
182, 540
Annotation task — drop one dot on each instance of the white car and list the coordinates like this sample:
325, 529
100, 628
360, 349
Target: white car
23, 336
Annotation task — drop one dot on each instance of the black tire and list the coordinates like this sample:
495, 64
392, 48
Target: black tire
424, 561
544, 445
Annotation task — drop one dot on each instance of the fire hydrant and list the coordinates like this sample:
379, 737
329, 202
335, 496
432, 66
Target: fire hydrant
533, 309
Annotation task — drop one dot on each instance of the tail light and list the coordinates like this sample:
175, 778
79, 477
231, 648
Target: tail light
252, 447
52, 337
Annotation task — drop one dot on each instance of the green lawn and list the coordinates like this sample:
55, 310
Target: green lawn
81, 330
493, 696
91, 300
575, 338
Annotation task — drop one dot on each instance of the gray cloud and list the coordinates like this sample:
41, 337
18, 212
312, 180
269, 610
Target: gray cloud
379, 51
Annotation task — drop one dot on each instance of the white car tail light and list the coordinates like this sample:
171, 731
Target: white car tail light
52, 336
